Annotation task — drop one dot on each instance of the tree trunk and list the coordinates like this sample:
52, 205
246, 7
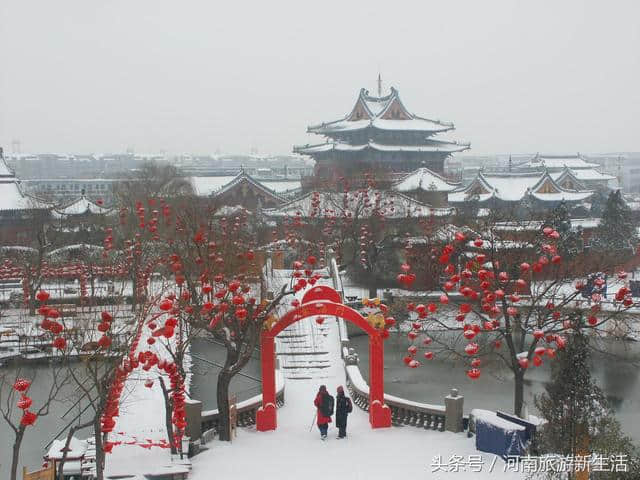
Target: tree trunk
15, 458
373, 291
97, 434
222, 395
168, 413
65, 450
518, 398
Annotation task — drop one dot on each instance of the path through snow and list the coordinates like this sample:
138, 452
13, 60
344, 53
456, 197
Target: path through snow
293, 451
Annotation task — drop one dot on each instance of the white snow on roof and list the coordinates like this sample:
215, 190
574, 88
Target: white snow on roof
231, 211
587, 174
11, 198
424, 179
413, 124
205, 186
492, 418
77, 449
80, 206
446, 147
357, 204
558, 162
513, 187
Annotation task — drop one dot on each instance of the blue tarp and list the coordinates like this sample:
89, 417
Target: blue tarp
499, 436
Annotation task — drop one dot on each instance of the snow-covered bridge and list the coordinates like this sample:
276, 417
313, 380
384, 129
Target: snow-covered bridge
310, 354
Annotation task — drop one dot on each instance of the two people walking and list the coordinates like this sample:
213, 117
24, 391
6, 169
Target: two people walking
324, 402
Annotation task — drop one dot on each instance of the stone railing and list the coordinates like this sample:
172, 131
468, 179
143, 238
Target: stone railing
206, 421
406, 412
403, 412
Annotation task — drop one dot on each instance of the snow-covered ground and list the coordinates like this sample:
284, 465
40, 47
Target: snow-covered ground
141, 425
295, 450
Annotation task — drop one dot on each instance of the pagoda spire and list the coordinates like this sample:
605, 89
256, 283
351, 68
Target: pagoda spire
379, 86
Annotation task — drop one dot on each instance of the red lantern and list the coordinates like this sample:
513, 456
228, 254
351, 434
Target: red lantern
21, 385
471, 349
60, 343
474, 373
42, 296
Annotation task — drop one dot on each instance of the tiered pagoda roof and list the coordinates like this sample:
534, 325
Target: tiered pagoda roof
380, 134
436, 146
381, 113
515, 187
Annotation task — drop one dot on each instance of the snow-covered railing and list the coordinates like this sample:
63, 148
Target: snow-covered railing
403, 412
246, 409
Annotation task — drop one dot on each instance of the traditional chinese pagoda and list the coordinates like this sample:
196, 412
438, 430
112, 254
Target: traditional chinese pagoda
379, 135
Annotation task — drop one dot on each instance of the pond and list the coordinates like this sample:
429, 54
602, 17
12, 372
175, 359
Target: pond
207, 358
618, 378
61, 414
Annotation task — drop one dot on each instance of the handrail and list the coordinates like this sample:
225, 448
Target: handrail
246, 409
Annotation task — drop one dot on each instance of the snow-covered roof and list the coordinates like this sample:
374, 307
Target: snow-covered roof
206, 186
244, 177
80, 206
432, 146
557, 162
360, 203
77, 449
384, 113
424, 179
583, 174
11, 195
513, 187
231, 210
536, 225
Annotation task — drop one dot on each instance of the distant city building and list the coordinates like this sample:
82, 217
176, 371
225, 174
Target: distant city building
380, 136
69, 189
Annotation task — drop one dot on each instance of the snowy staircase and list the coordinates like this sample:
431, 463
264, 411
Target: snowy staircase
302, 351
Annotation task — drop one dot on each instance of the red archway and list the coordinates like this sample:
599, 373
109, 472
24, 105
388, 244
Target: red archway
322, 300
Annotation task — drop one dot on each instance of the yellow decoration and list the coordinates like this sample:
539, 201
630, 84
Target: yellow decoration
365, 301
376, 320
270, 321
376, 301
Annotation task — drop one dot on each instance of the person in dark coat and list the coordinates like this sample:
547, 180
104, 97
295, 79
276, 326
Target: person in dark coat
323, 422
343, 408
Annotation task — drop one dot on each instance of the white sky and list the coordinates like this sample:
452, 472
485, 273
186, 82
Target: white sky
200, 75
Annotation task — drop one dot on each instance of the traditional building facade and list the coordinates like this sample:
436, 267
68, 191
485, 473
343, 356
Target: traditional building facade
21, 216
426, 186
243, 191
511, 189
379, 136
573, 172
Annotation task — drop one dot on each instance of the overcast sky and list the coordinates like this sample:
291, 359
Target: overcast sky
205, 76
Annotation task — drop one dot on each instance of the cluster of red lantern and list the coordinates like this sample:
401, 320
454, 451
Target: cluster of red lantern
481, 288
50, 321
421, 311
21, 385
304, 276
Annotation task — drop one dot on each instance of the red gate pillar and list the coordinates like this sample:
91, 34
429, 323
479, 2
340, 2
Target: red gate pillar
379, 413
266, 415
